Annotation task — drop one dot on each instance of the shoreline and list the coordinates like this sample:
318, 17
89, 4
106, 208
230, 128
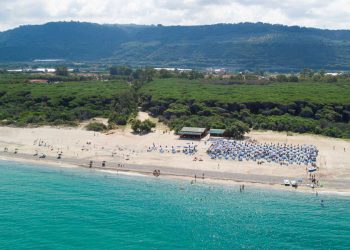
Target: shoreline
170, 173
126, 152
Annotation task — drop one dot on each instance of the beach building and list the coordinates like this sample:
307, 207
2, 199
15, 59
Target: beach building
189, 132
217, 132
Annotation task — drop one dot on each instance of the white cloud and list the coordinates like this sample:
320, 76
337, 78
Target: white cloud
333, 14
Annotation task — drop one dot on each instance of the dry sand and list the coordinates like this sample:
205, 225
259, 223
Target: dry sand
122, 147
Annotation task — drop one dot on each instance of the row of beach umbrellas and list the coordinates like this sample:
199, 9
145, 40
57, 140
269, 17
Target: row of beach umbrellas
269, 152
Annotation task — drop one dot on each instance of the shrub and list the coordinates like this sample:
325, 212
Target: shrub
118, 119
237, 130
330, 79
281, 78
293, 78
142, 127
306, 112
332, 132
96, 126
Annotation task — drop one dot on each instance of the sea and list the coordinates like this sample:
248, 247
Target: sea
45, 207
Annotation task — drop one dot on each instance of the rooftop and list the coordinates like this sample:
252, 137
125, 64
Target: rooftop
217, 131
192, 131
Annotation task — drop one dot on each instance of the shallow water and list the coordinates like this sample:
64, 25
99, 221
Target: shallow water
60, 208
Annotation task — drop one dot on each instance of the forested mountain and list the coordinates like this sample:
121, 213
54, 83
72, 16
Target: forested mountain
238, 46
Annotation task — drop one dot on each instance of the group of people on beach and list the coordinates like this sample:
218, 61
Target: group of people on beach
314, 179
251, 150
156, 172
189, 149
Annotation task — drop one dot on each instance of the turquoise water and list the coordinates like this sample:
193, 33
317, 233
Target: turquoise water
56, 208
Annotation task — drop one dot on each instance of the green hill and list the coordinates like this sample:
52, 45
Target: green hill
237, 46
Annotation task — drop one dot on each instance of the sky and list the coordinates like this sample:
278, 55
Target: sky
331, 14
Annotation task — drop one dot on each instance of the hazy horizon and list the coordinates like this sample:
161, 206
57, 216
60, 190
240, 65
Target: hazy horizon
312, 13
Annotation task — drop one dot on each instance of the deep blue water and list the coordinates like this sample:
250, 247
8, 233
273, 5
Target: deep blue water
57, 208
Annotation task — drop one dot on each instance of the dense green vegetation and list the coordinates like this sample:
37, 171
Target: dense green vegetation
309, 103
282, 93
241, 46
64, 102
305, 106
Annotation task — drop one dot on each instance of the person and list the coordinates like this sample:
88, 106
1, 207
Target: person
203, 176
243, 187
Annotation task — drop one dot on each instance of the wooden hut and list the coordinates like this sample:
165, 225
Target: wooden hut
189, 132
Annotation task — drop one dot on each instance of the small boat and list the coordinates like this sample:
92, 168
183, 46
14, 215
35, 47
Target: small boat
286, 182
313, 169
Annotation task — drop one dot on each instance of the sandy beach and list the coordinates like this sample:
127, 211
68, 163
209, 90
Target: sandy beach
124, 151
